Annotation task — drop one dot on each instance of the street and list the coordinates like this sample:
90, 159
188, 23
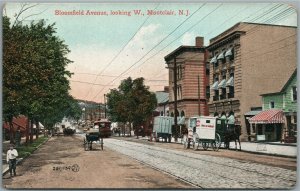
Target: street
97, 169
63, 163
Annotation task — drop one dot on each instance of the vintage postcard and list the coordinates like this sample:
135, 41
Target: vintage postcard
161, 95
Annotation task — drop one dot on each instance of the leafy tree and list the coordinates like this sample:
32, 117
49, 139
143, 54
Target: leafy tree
35, 79
132, 102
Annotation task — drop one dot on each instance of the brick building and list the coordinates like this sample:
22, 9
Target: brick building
248, 60
190, 66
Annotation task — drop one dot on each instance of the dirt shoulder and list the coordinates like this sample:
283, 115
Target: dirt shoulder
283, 162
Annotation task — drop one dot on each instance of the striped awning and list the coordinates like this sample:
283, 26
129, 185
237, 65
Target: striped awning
215, 86
268, 116
222, 84
228, 52
213, 60
221, 56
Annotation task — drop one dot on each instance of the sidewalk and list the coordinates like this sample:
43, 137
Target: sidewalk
5, 147
272, 148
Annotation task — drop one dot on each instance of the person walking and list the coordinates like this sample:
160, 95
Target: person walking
11, 159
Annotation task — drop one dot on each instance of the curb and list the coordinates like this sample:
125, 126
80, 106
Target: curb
5, 171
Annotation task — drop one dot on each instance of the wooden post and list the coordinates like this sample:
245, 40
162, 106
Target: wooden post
175, 97
199, 101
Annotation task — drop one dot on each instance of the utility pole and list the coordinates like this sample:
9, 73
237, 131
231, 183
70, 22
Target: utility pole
104, 107
175, 96
199, 101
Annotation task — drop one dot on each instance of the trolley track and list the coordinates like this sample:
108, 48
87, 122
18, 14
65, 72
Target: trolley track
168, 155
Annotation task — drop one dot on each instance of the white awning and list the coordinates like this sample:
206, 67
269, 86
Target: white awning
228, 52
222, 84
213, 60
214, 86
221, 56
230, 82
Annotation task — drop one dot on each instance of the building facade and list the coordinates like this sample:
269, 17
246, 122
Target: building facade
285, 100
245, 61
187, 68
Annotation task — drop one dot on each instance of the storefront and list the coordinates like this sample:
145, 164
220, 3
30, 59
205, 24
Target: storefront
268, 125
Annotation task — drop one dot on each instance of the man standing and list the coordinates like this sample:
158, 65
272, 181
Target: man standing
11, 159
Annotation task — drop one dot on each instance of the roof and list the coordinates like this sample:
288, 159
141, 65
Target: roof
268, 117
231, 29
294, 75
182, 49
162, 97
20, 121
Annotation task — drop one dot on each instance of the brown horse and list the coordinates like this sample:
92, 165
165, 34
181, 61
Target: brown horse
232, 134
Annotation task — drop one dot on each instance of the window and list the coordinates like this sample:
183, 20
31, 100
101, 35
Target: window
216, 97
207, 92
207, 69
231, 92
223, 95
294, 93
182, 114
272, 104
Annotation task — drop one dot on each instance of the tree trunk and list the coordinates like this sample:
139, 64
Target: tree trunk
31, 131
27, 130
11, 133
37, 129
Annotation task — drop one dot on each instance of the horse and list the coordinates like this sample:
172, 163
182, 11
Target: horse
232, 134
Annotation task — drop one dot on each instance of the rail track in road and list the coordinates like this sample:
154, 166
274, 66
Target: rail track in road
205, 171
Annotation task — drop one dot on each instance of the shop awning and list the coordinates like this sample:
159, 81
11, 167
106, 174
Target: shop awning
268, 116
214, 86
221, 56
230, 82
213, 60
228, 52
222, 84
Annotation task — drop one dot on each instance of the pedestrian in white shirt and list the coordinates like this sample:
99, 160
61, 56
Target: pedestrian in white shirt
11, 159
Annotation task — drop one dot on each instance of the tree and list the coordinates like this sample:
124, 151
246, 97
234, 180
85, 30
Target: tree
132, 102
35, 79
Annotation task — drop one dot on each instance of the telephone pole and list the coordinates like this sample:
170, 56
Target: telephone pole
175, 96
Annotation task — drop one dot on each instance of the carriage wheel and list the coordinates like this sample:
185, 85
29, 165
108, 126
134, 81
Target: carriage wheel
185, 142
217, 142
195, 145
205, 145
85, 145
101, 143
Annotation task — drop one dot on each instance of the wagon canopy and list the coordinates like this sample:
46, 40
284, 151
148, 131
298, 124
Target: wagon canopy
268, 116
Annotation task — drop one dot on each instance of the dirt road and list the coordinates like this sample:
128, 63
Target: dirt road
62, 163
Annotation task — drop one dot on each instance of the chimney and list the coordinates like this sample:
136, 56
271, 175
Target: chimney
199, 41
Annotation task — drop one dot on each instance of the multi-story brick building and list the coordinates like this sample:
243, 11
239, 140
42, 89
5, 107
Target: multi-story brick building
190, 74
248, 60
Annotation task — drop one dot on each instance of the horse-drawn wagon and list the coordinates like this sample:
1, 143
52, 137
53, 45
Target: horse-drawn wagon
100, 130
202, 132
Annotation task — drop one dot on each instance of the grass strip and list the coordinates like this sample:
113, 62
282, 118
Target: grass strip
26, 150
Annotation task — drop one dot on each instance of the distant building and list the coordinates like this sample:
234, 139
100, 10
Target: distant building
190, 65
162, 102
248, 60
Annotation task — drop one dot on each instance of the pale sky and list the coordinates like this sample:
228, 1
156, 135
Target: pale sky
108, 48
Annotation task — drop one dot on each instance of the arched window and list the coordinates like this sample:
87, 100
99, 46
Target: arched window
177, 113
216, 114
172, 114
182, 113
161, 113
